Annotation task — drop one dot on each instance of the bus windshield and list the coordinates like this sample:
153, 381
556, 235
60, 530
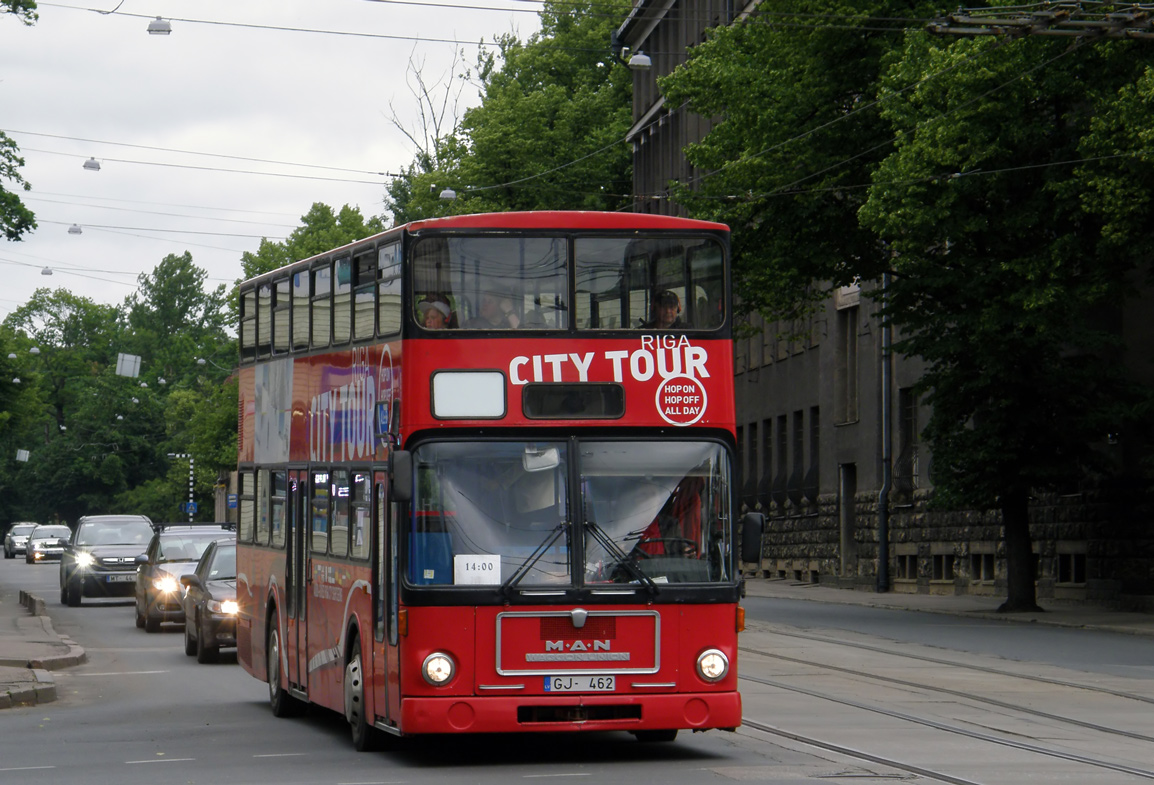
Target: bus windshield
499, 282
509, 513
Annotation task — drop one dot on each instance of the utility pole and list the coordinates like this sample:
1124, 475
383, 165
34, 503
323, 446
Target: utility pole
1082, 19
191, 503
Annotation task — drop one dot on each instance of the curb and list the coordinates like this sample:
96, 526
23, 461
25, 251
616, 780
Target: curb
42, 691
42, 688
75, 655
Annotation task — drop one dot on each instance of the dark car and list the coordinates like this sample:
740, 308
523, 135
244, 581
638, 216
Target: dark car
16, 540
100, 559
46, 543
174, 550
210, 602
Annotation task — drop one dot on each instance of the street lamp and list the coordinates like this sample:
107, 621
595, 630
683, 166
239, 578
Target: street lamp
159, 26
191, 504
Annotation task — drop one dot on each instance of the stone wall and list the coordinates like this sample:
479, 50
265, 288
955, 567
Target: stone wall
1087, 549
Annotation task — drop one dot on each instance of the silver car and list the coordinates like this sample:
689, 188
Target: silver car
16, 540
46, 543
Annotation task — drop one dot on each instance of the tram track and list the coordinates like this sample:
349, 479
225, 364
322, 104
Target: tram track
968, 696
856, 754
953, 663
926, 722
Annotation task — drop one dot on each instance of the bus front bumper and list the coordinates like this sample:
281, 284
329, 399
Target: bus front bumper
518, 714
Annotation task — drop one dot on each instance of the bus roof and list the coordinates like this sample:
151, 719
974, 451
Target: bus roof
565, 219
538, 219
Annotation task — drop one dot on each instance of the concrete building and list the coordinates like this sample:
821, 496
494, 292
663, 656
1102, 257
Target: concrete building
827, 418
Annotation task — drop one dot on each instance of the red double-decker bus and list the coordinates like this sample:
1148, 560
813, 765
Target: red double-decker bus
487, 478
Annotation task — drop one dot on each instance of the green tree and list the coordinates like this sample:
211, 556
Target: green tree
795, 138
1007, 279
16, 220
321, 230
959, 168
172, 320
549, 132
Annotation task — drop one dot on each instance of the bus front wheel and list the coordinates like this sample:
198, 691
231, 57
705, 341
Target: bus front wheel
366, 738
281, 703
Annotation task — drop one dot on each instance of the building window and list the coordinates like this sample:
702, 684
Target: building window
982, 567
780, 480
943, 564
810, 486
907, 564
906, 479
765, 487
797, 476
846, 375
1071, 568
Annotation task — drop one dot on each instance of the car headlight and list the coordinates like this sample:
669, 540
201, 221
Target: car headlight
166, 583
84, 560
228, 607
438, 668
712, 665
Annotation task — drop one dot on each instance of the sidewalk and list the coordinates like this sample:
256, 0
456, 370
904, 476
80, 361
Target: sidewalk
30, 649
1056, 613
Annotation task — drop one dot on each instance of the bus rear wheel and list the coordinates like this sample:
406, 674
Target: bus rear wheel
366, 738
281, 703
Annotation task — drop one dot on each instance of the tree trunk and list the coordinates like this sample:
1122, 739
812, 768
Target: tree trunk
1021, 593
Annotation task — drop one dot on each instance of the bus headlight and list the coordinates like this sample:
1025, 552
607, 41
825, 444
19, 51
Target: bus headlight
438, 668
712, 665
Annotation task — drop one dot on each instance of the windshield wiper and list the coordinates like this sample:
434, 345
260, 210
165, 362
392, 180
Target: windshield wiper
622, 557
534, 557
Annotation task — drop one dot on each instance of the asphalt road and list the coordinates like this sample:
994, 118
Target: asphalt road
830, 692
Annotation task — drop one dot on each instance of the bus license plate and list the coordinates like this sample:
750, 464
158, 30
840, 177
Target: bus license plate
580, 683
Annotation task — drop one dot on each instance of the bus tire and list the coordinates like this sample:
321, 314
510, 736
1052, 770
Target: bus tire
650, 736
366, 738
281, 703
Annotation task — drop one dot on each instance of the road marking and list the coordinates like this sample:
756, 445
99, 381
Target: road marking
28, 768
122, 673
281, 755
160, 760
541, 776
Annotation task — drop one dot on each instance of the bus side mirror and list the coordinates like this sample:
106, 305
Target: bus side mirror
401, 475
752, 527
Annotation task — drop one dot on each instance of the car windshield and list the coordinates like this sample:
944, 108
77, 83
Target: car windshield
129, 532
506, 513
223, 566
184, 547
51, 533
23, 530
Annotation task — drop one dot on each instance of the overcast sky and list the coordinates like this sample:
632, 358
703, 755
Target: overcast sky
81, 84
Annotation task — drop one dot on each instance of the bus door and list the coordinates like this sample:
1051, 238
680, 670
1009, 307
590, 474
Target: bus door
296, 628
386, 660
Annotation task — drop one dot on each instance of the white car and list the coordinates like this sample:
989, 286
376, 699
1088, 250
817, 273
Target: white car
16, 541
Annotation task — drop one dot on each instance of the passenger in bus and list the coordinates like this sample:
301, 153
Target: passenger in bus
435, 311
496, 313
666, 311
